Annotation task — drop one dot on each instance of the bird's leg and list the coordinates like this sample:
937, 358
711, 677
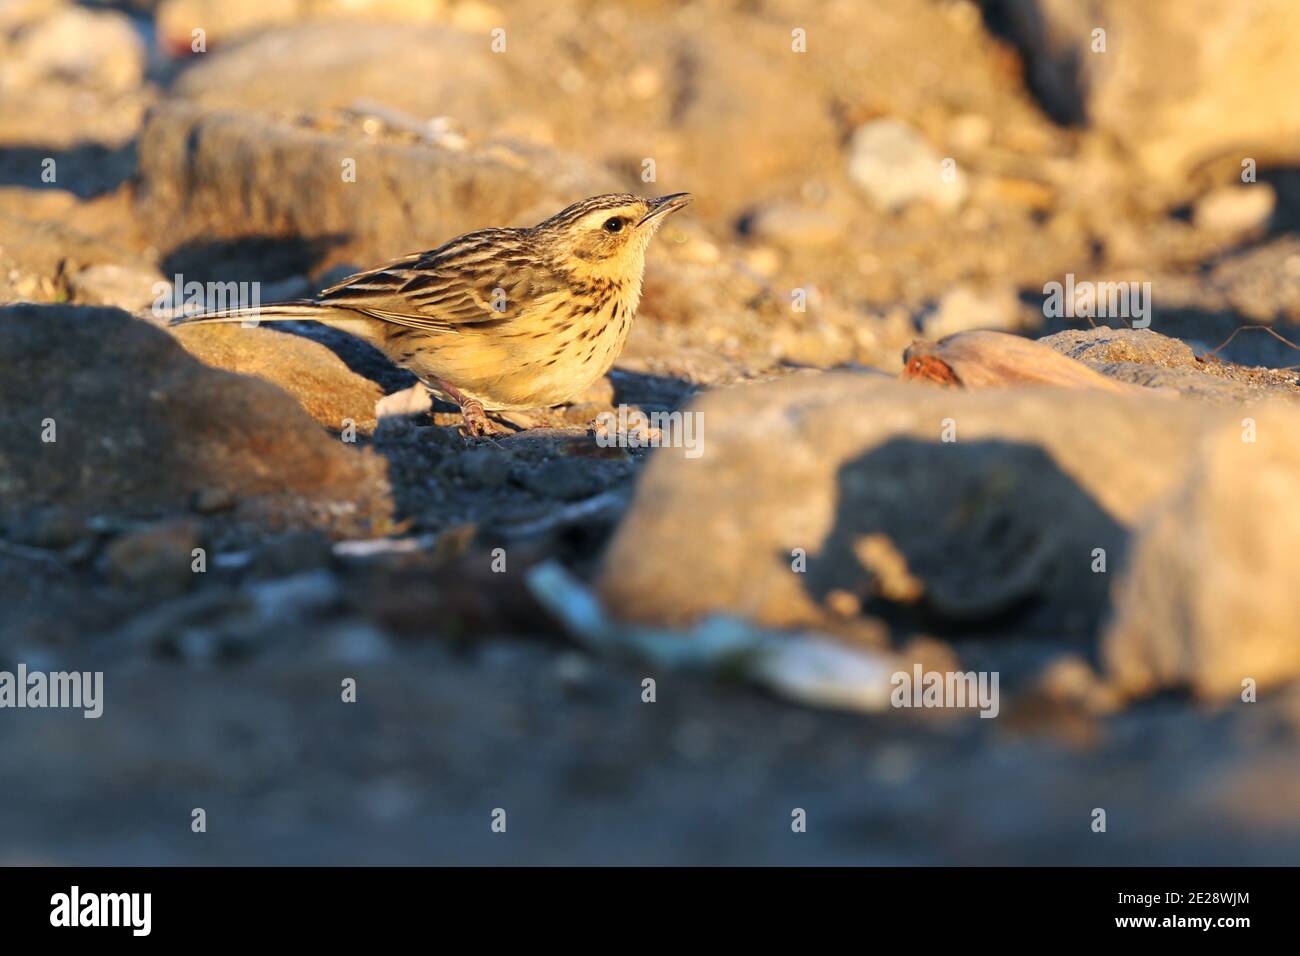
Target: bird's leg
477, 423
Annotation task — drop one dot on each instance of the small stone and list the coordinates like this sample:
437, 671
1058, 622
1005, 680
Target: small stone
970, 131
844, 603
763, 260
796, 227
1234, 210
1069, 679
93, 48
128, 287
213, 500
1101, 347
895, 167
314, 374
157, 559
409, 401
965, 307
573, 670
888, 566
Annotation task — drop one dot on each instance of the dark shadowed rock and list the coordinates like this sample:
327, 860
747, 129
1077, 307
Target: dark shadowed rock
140, 427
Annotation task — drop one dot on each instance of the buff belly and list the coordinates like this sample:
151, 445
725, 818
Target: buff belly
523, 370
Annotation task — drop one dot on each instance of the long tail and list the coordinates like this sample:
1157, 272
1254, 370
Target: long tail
303, 310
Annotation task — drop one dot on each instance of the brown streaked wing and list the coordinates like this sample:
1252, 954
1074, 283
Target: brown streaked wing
451, 289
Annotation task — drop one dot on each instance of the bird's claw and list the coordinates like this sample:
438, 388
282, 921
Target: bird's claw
477, 424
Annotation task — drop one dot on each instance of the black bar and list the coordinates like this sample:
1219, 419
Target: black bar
332, 906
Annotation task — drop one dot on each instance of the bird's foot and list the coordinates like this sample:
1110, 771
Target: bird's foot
478, 424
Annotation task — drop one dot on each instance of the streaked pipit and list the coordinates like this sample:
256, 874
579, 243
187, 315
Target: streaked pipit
500, 319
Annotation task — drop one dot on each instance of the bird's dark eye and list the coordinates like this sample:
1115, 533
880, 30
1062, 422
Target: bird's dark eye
614, 224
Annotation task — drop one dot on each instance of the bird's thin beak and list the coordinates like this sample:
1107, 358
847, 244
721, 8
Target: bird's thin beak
665, 205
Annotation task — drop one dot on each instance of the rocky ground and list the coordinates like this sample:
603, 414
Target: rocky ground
907, 457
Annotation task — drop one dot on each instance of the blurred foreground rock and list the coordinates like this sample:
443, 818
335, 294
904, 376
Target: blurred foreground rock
1212, 595
854, 470
1013, 506
139, 427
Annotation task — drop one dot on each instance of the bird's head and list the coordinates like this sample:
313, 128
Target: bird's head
606, 236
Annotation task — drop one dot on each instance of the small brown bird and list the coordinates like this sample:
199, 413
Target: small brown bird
500, 319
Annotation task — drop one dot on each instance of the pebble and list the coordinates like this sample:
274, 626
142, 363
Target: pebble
157, 559
213, 500
895, 167
965, 307
1235, 209
96, 48
794, 226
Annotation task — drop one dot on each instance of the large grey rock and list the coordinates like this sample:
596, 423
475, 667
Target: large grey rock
140, 427
719, 102
1178, 81
228, 174
318, 67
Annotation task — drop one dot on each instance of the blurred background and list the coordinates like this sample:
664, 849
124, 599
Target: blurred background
865, 174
